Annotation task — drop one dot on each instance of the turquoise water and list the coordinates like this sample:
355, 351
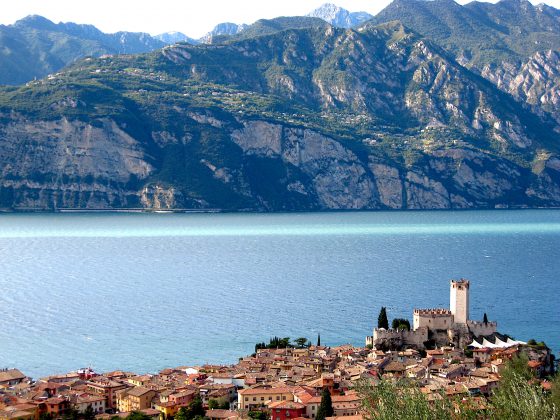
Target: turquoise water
146, 291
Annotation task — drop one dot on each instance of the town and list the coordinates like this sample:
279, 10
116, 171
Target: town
445, 353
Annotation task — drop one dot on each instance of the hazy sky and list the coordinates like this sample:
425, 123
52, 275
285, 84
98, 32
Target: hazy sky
192, 17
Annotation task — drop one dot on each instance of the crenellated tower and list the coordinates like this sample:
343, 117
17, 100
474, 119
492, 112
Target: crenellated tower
459, 301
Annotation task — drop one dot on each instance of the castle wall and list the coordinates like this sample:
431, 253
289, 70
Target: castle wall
400, 337
435, 319
478, 328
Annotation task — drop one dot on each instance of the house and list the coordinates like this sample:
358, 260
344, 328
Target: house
255, 398
10, 377
107, 388
286, 410
135, 399
170, 403
141, 380
80, 403
56, 406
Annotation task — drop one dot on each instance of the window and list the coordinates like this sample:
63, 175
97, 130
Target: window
262, 398
313, 408
287, 414
284, 398
254, 398
278, 398
246, 406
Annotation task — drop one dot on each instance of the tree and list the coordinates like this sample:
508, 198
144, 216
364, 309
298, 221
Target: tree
193, 410
555, 391
485, 319
137, 415
382, 320
71, 414
181, 414
400, 324
258, 415
518, 398
318, 339
300, 342
325, 409
214, 404
403, 400
89, 414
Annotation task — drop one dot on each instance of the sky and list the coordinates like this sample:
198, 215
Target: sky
193, 18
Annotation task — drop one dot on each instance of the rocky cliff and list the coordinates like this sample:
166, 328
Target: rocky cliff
304, 116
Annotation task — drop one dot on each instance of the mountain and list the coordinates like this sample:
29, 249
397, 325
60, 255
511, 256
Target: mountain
34, 47
511, 43
480, 33
300, 115
174, 37
221, 30
340, 17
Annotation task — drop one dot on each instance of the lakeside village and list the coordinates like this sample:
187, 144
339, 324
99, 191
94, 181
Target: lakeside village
444, 353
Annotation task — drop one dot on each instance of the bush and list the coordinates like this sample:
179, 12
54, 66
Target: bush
400, 324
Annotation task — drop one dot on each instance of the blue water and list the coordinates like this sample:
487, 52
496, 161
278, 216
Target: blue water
142, 292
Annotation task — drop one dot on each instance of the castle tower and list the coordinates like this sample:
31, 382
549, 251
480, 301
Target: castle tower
459, 300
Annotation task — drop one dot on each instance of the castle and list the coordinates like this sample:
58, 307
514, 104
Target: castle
438, 326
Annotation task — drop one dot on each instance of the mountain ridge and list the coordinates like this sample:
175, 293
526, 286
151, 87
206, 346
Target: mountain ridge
373, 118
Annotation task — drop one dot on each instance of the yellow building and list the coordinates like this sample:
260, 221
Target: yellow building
254, 398
141, 380
135, 399
167, 409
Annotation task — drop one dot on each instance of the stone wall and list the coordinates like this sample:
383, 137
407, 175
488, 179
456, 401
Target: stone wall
434, 319
478, 328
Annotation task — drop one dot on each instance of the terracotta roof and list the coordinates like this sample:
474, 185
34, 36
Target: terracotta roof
221, 414
138, 391
10, 375
286, 405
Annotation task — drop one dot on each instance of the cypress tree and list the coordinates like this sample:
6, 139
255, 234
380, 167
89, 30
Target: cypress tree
326, 408
485, 319
382, 320
319, 340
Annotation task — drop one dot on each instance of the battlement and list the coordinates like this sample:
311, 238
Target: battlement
482, 324
460, 284
432, 312
480, 328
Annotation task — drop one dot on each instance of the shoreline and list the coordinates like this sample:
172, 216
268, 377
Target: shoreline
257, 212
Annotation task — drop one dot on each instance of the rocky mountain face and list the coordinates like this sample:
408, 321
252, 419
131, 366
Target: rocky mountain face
480, 33
173, 37
535, 81
224, 29
340, 17
511, 43
304, 117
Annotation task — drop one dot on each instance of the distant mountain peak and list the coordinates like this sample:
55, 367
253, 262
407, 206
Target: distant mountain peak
337, 16
223, 29
36, 21
174, 37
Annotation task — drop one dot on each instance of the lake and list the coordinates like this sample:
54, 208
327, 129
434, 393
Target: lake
142, 292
